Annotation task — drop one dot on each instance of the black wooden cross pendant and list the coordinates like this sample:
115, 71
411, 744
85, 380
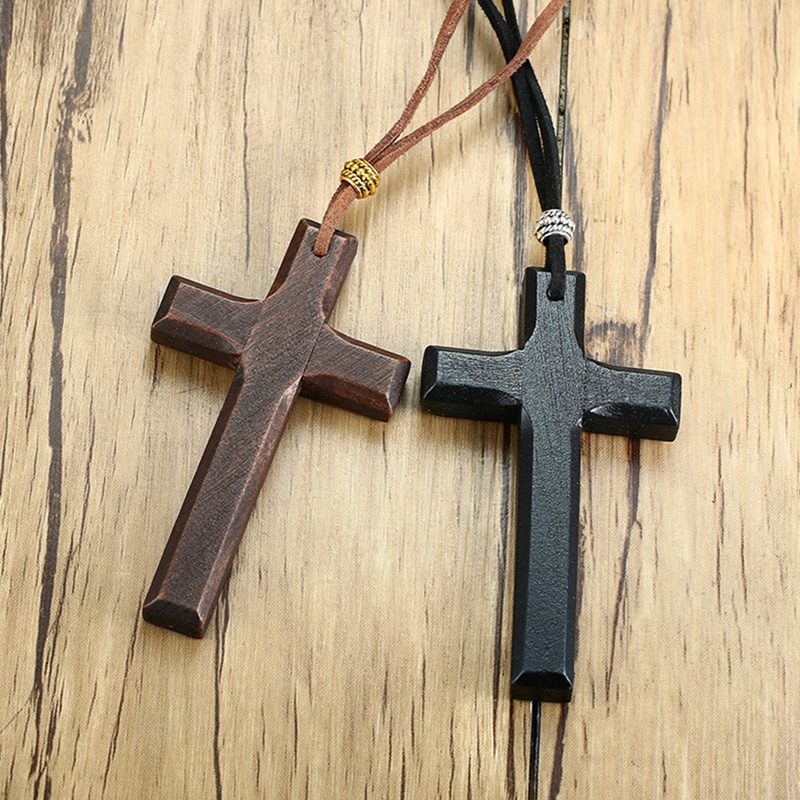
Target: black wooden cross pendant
552, 391
280, 347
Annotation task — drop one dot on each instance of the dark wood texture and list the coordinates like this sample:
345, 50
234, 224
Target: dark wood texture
552, 391
280, 347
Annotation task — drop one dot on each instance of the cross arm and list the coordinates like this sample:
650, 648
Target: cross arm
641, 404
214, 325
204, 322
354, 375
471, 384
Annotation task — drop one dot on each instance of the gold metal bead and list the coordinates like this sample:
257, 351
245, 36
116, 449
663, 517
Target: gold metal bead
362, 176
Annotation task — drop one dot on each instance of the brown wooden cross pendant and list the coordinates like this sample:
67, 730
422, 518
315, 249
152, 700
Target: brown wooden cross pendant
280, 347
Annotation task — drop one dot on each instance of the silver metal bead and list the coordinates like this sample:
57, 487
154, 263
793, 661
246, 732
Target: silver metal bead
554, 222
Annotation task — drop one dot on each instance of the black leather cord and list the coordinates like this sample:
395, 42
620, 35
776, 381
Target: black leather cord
540, 136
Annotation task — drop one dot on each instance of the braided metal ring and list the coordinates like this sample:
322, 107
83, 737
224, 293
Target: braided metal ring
554, 222
362, 176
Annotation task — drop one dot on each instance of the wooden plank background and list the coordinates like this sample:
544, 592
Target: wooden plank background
361, 649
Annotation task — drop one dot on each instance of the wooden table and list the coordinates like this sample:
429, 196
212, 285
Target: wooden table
361, 649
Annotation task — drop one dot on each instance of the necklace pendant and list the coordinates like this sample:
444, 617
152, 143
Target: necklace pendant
552, 392
279, 347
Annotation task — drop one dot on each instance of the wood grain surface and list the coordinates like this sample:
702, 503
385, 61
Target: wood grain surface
363, 648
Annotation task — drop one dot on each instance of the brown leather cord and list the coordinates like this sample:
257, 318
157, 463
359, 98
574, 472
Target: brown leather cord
390, 147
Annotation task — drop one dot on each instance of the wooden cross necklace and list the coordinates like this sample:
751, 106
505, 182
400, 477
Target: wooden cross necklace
282, 347
552, 392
